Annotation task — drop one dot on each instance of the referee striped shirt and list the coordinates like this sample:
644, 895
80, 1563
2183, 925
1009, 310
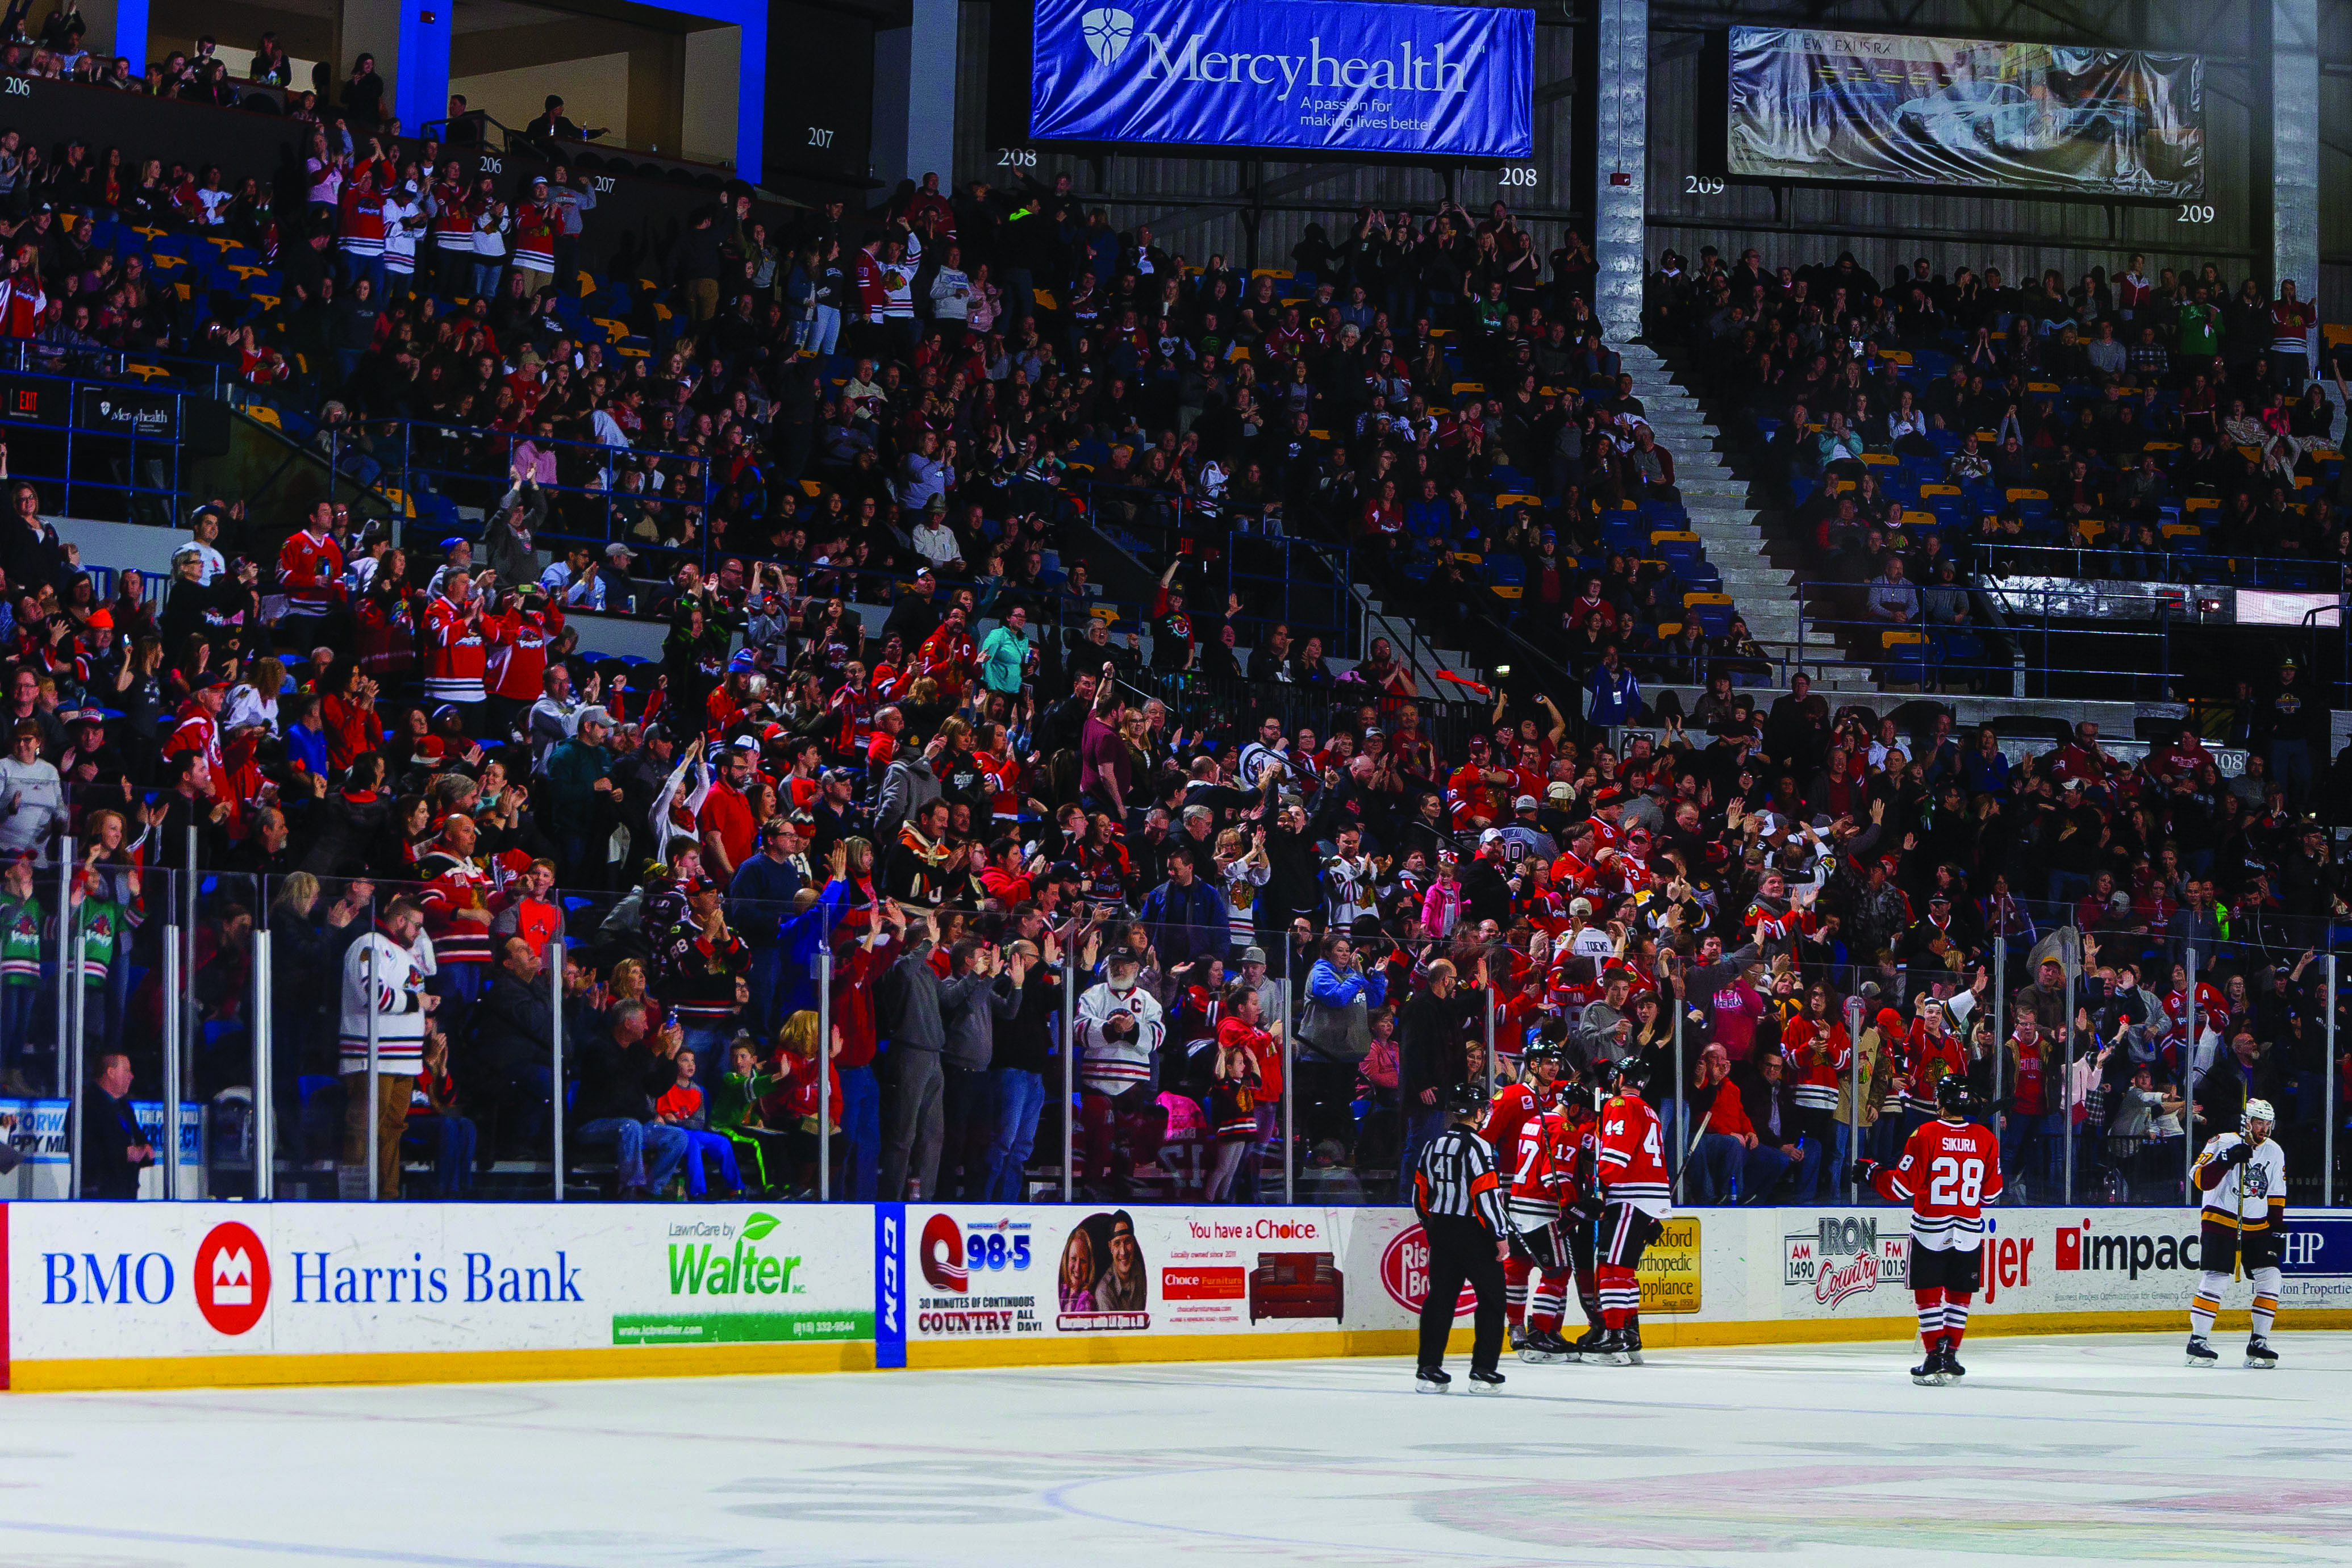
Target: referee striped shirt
1456, 1180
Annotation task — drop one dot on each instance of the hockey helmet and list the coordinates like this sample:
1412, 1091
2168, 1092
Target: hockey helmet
2257, 1111
1605, 1074
1467, 1101
1952, 1095
1540, 1050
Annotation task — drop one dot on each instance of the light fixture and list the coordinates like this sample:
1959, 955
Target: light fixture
1502, 669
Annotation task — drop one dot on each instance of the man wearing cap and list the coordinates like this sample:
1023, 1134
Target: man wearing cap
578, 771
609, 588
1523, 837
2290, 718
914, 617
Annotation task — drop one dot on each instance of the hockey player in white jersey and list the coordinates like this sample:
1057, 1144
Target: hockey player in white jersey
2243, 1176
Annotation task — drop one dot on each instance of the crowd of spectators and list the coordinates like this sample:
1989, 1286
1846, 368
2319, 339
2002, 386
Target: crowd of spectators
403, 766
2135, 425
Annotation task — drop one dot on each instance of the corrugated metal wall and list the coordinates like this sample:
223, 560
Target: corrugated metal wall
1883, 229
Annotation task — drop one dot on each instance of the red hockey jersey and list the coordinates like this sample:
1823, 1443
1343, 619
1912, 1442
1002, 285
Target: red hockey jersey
1632, 1164
455, 652
310, 566
1948, 1172
1543, 1180
1816, 1053
1515, 1104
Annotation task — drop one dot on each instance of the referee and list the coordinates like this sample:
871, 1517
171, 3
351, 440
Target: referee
1460, 1200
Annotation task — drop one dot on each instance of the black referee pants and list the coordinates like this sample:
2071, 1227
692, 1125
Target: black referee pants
1461, 1249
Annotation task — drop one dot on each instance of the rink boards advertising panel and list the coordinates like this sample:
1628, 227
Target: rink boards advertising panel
1322, 76
1809, 104
102, 1295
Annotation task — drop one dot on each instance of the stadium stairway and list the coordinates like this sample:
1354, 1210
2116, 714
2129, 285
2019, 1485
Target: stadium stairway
1764, 595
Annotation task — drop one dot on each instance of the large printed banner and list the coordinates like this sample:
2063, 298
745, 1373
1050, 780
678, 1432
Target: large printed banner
106, 1281
1815, 105
1330, 76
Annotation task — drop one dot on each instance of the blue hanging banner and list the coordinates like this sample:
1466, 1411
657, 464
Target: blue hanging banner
1320, 75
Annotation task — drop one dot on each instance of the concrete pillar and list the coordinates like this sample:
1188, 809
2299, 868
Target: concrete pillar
410, 40
2295, 145
914, 129
1620, 164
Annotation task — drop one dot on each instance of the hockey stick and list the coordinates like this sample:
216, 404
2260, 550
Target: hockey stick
2238, 1252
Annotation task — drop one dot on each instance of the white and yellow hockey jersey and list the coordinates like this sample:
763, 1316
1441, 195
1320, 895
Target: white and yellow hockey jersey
2245, 1198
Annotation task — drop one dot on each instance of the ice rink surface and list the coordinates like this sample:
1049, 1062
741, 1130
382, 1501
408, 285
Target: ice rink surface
2082, 1449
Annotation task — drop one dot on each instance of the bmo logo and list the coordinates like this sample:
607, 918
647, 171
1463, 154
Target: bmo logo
232, 1278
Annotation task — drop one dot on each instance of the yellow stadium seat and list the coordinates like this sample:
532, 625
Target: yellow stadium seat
1674, 536
1892, 640
1670, 629
1462, 386
1693, 601
1940, 489
1880, 460
2183, 530
1047, 298
1508, 590
262, 413
2202, 504
2023, 494
1918, 520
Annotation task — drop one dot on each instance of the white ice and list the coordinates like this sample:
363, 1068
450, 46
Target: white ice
2088, 1449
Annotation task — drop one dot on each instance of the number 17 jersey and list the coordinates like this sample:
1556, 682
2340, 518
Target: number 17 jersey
1950, 1172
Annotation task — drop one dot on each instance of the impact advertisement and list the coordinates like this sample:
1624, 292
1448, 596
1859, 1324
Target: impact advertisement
1326, 75
94, 1282
1808, 104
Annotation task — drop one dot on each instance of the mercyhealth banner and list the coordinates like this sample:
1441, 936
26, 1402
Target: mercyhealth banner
1320, 75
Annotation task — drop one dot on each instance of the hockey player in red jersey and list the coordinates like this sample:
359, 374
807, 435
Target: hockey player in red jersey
1635, 1197
1949, 1172
1540, 1154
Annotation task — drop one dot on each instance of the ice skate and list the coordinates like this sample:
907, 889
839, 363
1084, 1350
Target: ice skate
1486, 1381
2201, 1353
2259, 1354
1431, 1379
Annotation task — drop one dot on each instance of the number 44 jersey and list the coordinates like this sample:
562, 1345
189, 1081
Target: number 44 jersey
1950, 1172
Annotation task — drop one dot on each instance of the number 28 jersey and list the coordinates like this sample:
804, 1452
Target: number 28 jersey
1948, 1172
